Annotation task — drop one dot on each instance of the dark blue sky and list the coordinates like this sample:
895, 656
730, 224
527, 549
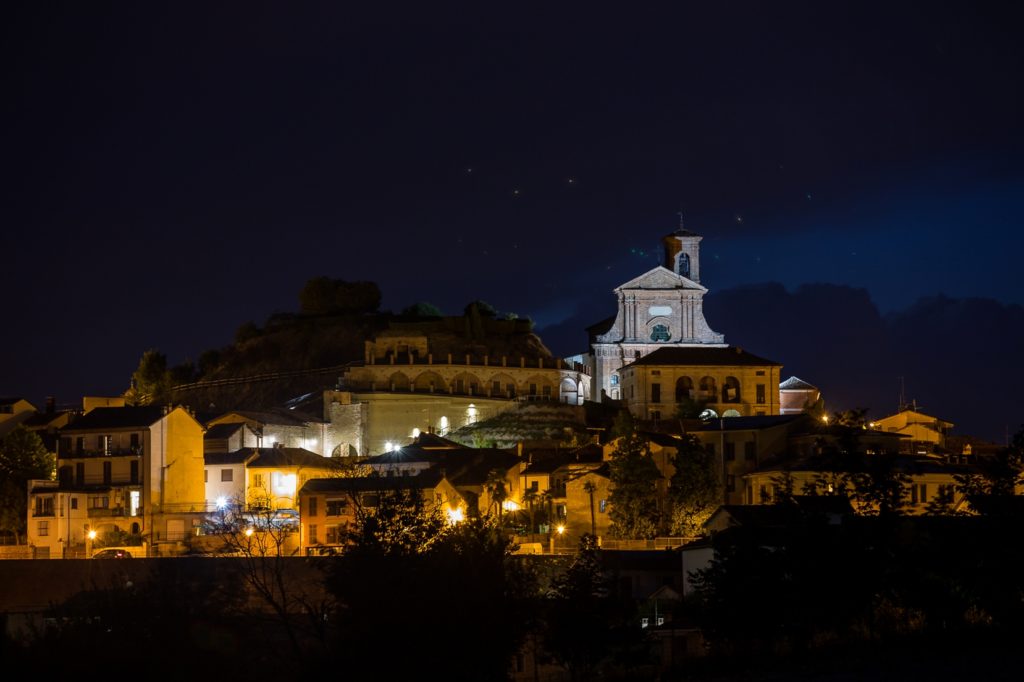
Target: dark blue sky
173, 171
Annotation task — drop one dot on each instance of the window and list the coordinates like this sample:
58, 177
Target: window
134, 471
80, 473
312, 534
80, 444
227, 475
656, 415
760, 394
333, 535
74, 503
495, 387
684, 264
107, 473
206, 475
134, 443
510, 389
729, 451
43, 528
337, 507
311, 506
257, 480
44, 506
602, 506
99, 502
547, 391
65, 446
660, 333
615, 380
655, 393
533, 389
759, 373
748, 451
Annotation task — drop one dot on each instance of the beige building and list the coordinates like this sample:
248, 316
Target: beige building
729, 381
330, 505
663, 307
924, 433
135, 471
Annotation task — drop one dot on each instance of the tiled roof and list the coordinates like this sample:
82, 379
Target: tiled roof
748, 423
279, 417
222, 430
696, 355
237, 457
796, 384
117, 418
427, 479
289, 457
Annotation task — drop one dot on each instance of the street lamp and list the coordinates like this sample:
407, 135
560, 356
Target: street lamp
560, 530
89, 537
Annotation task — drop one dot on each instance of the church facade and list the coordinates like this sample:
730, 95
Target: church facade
662, 308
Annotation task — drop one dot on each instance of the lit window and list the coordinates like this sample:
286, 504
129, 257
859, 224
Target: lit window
283, 484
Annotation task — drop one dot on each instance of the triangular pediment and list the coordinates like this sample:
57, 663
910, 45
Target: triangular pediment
660, 278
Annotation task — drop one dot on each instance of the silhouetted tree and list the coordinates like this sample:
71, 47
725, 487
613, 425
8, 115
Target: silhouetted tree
422, 309
151, 381
694, 489
580, 613
633, 474
326, 296
23, 458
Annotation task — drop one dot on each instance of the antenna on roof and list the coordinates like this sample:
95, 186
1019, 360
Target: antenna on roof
680, 214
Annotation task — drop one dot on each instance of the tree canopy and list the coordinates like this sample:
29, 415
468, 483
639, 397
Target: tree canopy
23, 458
326, 296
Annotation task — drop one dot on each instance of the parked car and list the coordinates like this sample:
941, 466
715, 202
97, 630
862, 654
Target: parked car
112, 553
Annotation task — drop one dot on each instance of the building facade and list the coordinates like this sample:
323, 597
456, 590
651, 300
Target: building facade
121, 471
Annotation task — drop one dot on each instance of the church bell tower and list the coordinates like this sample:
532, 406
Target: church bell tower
682, 253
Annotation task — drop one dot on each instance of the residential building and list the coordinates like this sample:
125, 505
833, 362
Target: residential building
14, 411
330, 505
121, 471
275, 427
924, 433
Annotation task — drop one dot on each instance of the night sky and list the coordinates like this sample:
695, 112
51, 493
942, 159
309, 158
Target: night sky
173, 171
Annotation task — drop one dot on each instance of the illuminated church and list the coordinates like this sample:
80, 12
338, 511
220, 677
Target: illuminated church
659, 352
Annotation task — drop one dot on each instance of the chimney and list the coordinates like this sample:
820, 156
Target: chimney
51, 404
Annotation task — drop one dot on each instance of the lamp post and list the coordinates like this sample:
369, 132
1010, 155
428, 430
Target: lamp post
89, 537
560, 530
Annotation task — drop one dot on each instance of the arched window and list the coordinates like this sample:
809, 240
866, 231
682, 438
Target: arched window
731, 390
660, 333
684, 264
708, 389
731, 413
684, 389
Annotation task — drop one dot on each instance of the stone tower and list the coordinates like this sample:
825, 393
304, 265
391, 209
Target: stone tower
682, 254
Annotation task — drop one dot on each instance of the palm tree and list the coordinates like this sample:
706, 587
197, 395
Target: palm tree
496, 490
548, 499
589, 488
530, 498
